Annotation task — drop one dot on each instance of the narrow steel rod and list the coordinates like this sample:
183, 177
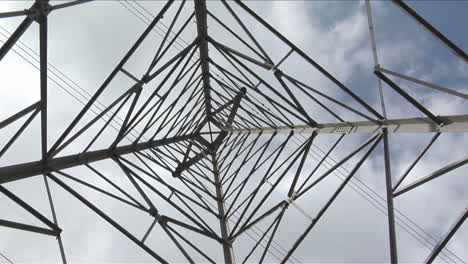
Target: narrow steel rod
247, 31
410, 168
235, 35
111, 76
16, 35
20, 114
69, 4
409, 98
169, 30
145, 236
278, 221
66, 175
331, 200
29, 228
295, 157
106, 217
458, 51
191, 244
174, 240
390, 209
54, 217
226, 48
14, 13
432, 176
18, 133
453, 229
374, 54
261, 239
308, 59
30, 209
424, 83
254, 168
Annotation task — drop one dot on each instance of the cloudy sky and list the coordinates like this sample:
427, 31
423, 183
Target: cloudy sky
87, 41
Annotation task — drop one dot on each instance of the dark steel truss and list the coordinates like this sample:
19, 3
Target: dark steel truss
231, 136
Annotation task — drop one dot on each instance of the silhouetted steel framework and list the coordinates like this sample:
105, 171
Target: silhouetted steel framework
223, 118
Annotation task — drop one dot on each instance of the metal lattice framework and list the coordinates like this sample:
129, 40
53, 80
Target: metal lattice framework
221, 134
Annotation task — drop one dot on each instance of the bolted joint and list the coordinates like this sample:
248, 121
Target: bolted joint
227, 242
154, 212
139, 86
145, 79
59, 232
39, 11
271, 65
161, 219
278, 73
176, 173
441, 124
243, 91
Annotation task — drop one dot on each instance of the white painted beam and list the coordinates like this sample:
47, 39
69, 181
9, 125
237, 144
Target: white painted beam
453, 123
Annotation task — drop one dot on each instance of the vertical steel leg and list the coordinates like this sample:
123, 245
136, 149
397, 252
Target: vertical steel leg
388, 185
227, 247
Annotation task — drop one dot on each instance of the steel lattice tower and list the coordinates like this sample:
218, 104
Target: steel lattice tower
220, 133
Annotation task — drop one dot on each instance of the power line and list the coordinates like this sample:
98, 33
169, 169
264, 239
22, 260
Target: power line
7, 259
375, 203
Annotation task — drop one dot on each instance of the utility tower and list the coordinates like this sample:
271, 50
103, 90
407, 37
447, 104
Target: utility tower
217, 139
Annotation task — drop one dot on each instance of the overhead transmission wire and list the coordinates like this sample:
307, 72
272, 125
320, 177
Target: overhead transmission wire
65, 77
7, 259
62, 79
357, 179
180, 38
353, 182
136, 10
161, 22
66, 80
423, 239
98, 104
327, 160
176, 41
370, 196
59, 85
147, 19
375, 202
274, 244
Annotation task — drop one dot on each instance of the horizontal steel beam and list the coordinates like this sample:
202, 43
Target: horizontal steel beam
25, 170
453, 123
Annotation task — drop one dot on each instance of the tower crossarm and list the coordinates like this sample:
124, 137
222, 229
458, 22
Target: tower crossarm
452, 123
